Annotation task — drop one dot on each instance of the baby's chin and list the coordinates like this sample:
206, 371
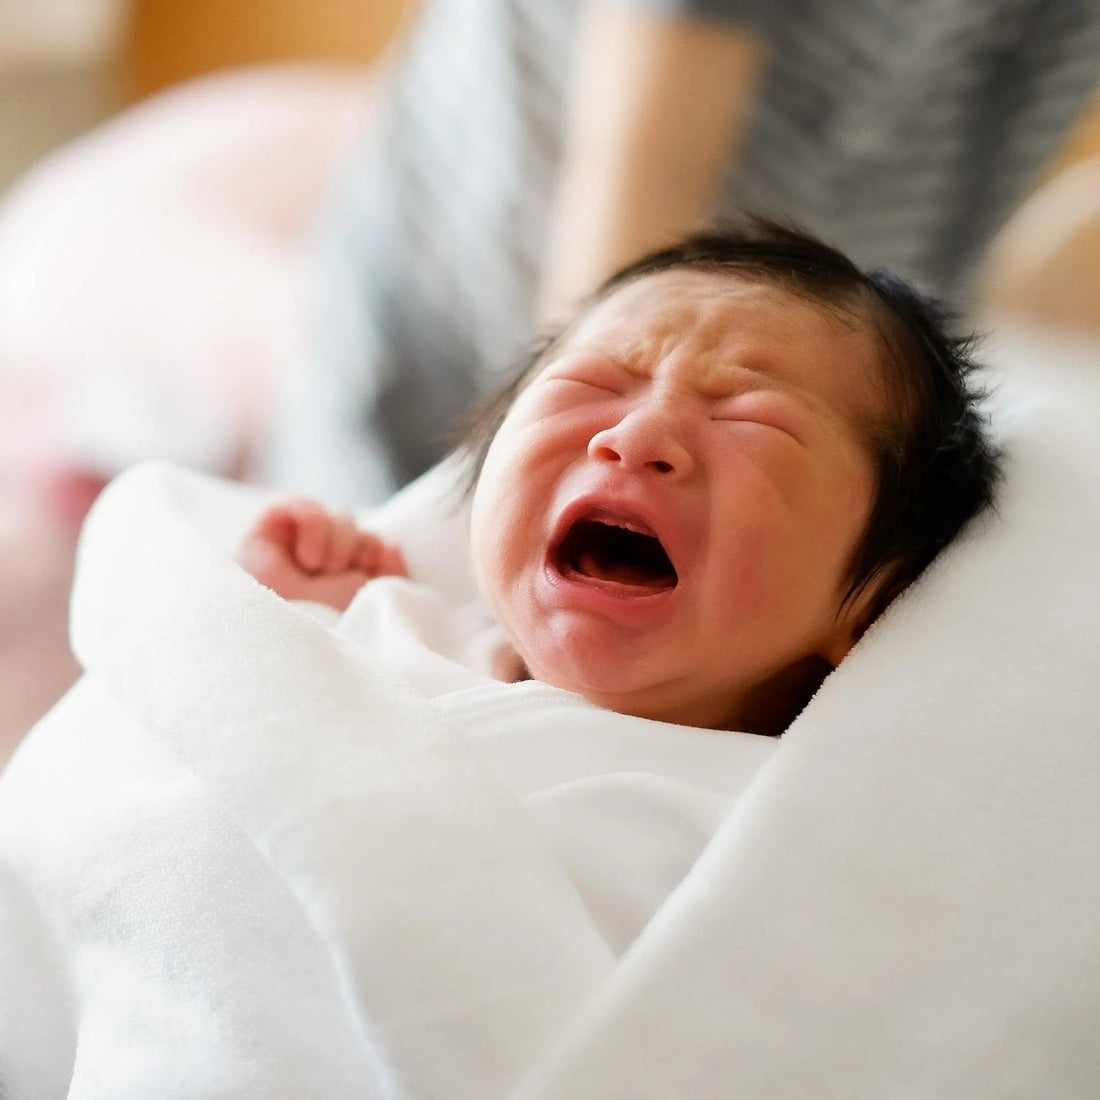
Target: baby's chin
767, 708
631, 674
629, 691
508, 666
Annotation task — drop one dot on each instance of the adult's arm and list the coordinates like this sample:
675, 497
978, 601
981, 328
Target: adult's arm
655, 110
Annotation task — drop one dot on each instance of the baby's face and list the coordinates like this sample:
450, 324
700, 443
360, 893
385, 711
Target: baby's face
664, 521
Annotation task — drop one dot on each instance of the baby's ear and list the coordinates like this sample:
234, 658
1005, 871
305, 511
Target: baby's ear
842, 641
851, 624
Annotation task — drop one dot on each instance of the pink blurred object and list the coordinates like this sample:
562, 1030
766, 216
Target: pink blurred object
149, 299
149, 273
68, 493
36, 561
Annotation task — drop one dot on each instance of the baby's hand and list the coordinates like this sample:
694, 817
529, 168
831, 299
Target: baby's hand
304, 552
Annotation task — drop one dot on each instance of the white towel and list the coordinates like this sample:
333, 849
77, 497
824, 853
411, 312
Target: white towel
249, 786
250, 856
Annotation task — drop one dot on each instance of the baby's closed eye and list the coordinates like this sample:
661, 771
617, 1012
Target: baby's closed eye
595, 372
766, 409
583, 387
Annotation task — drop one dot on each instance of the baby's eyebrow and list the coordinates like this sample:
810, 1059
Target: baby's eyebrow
736, 366
723, 380
635, 362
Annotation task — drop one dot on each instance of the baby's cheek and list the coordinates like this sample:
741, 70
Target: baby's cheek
769, 584
742, 584
839, 522
493, 553
484, 544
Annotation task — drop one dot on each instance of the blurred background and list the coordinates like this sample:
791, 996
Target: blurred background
66, 68
149, 81
66, 65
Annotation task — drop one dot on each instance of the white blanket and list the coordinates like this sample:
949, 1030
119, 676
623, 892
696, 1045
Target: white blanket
249, 856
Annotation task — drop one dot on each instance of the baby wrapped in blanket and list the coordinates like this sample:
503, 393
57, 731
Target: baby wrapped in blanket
361, 866
693, 501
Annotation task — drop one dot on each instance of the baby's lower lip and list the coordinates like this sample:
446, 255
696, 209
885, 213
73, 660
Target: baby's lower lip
629, 602
612, 587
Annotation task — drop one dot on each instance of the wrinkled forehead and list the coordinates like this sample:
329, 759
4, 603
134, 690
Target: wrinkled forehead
721, 324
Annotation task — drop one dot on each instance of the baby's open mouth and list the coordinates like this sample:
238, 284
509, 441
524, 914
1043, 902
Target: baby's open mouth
609, 551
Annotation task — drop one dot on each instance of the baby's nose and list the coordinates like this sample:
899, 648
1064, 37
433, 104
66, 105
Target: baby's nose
643, 440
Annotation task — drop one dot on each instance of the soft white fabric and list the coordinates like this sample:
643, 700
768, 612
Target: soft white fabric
251, 856
253, 786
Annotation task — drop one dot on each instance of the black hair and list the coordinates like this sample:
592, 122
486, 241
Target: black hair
935, 465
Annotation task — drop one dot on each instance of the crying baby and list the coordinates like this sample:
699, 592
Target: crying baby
691, 502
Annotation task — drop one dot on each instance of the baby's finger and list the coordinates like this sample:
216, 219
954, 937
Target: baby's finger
378, 558
312, 537
343, 540
391, 562
276, 526
335, 589
266, 560
368, 547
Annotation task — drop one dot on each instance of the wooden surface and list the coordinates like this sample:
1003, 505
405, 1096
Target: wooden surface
166, 41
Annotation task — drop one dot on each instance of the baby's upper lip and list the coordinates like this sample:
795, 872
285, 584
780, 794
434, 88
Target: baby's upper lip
622, 510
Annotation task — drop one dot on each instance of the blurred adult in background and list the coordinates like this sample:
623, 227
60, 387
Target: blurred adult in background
526, 148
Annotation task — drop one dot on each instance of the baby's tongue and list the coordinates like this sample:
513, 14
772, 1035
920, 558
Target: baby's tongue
606, 568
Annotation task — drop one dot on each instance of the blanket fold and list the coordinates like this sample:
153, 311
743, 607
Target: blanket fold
361, 796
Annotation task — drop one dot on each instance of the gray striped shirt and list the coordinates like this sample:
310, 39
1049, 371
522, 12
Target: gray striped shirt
902, 131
